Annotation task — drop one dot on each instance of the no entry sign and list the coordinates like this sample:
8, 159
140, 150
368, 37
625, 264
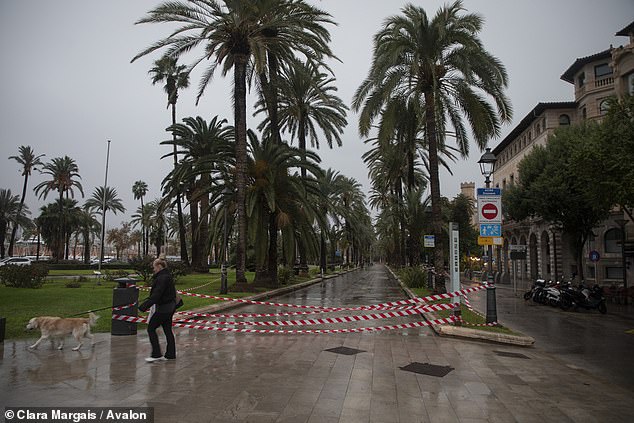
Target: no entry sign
489, 206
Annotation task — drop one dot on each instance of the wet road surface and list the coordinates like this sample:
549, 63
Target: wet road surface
225, 377
584, 339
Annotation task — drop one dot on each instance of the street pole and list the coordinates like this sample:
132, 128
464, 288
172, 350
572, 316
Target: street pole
492, 314
103, 213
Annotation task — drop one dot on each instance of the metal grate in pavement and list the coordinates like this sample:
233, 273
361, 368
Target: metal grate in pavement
427, 369
344, 350
510, 354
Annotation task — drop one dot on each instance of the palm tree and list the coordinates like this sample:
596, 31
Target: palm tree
139, 189
206, 148
88, 227
442, 64
237, 34
28, 160
64, 173
175, 77
53, 216
11, 211
103, 200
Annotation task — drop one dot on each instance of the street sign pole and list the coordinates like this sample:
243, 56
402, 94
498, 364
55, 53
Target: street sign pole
454, 259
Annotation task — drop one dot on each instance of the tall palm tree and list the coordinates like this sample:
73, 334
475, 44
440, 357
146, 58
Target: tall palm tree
237, 34
64, 175
11, 211
64, 214
28, 160
88, 228
107, 198
139, 189
175, 77
205, 148
442, 64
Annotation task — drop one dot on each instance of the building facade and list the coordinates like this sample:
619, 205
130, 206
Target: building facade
595, 78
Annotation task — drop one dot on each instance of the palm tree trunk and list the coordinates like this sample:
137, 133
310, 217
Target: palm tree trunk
86, 236
15, 224
193, 211
179, 207
3, 230
434, 182
143, 231
203, 227
322, 260
240, 117
303, 262
272, 265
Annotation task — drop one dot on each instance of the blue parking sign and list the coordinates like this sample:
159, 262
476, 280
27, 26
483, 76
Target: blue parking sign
490, 229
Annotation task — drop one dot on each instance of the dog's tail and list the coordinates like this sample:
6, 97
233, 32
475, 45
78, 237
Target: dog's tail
92, 319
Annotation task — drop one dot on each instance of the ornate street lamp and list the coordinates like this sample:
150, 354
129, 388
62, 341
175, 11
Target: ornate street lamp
622, 222
487, 167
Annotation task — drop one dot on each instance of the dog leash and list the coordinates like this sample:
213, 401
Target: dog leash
97, 309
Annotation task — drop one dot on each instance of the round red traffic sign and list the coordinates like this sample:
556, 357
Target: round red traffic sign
489, 211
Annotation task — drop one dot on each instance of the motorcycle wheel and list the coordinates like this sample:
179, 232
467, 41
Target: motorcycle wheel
528, 295
565, 304
602, 307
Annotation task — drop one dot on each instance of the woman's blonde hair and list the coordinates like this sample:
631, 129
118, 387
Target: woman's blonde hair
161, 262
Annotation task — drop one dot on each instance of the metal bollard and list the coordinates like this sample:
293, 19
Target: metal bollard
492, 313
3, 325
125, 293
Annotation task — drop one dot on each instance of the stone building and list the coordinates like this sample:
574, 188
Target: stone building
595, 78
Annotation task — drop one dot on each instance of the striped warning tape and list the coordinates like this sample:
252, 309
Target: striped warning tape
296, 331
329, 320
198, 287
369, 307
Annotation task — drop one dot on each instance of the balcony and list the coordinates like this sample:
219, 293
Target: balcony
604, 82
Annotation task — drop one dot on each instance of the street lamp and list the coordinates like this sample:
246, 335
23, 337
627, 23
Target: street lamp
622, 222
226, 192
487, 166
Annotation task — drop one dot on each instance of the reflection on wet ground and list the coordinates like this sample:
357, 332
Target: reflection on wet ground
225, 377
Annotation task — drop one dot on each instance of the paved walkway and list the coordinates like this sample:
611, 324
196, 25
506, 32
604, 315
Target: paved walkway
222, 377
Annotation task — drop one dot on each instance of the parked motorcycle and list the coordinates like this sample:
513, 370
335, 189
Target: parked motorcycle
588, 298
536, 291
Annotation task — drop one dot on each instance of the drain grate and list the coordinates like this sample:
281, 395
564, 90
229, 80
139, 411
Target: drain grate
427, 369
345, 350
511, 354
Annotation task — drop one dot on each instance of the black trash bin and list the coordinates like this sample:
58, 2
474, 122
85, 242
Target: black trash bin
125, 293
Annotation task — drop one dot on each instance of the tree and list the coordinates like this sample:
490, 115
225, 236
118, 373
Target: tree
554, 185
139, 189
53, 216
64, 175
236, 35
88, 227
206, 149
175, 77
11, 211
28, 160
120, 238
442, 65
105, 200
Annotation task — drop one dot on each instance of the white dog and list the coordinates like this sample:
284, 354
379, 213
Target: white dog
57, 328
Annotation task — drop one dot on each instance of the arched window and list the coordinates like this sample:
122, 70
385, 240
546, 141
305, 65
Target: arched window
603, 107
564, 120
612, 239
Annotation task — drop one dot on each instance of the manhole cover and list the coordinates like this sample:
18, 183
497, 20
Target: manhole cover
345, 350
427, 369
511, 354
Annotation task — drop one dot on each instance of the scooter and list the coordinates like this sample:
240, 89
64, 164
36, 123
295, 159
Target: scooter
592, 298
536, 291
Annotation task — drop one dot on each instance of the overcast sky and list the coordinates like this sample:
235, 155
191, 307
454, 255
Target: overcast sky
67, 85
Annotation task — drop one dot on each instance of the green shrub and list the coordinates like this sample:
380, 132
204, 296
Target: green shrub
178, 269
143, 266
73, 284
414, 277
32, 276
284, 275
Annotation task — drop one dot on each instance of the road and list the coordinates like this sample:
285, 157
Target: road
584, 339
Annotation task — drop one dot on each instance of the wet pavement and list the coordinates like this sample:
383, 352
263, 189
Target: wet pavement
586, 339
225, 377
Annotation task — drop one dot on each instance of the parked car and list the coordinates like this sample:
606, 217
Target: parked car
16, 261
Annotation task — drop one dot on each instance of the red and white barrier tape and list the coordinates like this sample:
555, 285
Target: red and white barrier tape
123, 307
201, 286
369, 307
329, 320
298, 331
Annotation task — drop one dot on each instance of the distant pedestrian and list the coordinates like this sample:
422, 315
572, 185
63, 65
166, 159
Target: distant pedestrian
162, 304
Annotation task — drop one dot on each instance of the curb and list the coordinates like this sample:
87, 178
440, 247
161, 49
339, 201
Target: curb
462, 332
265, 295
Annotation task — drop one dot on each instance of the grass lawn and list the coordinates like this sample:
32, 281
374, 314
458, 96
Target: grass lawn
18, 305
467, 315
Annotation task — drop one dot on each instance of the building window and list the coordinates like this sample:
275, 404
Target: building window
604, 106
612, 239
584, 113
581, 79
630, 83
512, 179
602, 70
530, 135
612, 272
564, 120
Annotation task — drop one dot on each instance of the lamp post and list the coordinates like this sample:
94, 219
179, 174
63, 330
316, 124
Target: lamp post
103, 215
487, 166
226, 192
622, 222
